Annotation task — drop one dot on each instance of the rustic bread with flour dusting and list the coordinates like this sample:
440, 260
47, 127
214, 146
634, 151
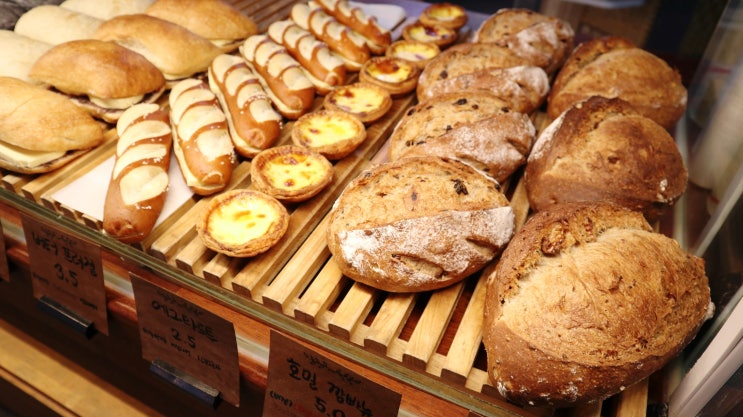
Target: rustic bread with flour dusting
418, 224
585, 301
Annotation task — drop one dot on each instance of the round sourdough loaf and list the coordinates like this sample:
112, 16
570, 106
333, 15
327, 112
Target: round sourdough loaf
602, 149
418, 224
614, 67
475, 127
545, 41
585, 301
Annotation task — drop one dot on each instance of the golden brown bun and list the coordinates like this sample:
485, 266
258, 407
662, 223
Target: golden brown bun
242, 223
216, 20
448, 15
175, 50
290, 173
585, 301
418, 224
604, 150
54, 25
523, 88
106, 9
139, 180
615, 67
465, 58
545, 41
19, 54
37, 119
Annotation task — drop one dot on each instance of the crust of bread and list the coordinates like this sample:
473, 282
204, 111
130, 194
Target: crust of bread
377, 38
545, 41
628, 299
365, 101
604, 150
173, 49
334, 134
523, 88
106, 9
418, 224
54, 25
215, 20
19, 54
290, 173
614, 67
466, 58
32, 117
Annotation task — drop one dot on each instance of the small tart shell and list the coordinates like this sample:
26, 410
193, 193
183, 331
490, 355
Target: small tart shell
290, 173
334, 134
437, 34
396, 75
415, 51
448, 15
367, 102
260, 218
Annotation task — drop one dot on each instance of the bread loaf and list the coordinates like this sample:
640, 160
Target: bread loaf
377, 38
614, 67
55, 25
585, 301
474, 127
545, 41
106, 9
19, 54
418, 224
604, 150
139, 181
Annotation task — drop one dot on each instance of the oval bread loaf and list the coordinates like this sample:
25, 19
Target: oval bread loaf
585, 301
418, 224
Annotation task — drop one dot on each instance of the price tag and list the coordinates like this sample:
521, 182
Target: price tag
66, 270
303, 383
4, 268
187, 337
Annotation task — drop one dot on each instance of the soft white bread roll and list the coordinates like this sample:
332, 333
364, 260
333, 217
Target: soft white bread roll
139, 180
377, 38
585, 301
55, 25
201, 138
41, 130
254, 124
102, 77
106, 9
323, 67
216, 20
281, 75
340, 38
175, 50
19, 54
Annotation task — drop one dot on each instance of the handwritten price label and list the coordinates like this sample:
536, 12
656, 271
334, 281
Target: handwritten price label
187, 337
302, 383
66, 269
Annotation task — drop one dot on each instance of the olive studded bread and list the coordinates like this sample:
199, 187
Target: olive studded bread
418, 224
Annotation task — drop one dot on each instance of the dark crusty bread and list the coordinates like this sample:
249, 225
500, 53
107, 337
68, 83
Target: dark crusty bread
474, 127
604, 150
585, 301
614, 67
546, 41
466, 58
418, 224
524, 88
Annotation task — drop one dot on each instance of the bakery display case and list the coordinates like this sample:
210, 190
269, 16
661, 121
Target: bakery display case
423, 348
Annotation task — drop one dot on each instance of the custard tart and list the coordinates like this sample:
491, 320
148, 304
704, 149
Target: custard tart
290, 173
334, 134
365, 101
396, 75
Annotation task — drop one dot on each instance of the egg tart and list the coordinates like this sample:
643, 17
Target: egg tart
415, 51
440, 35
334, 134
448, 15
365, 101
290, 173
242, 223
396, 75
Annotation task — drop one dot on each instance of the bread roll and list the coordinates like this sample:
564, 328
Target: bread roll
54, 25
545, 41
377, 38
585, 301
418, 224
19, 54
474, 127
106, 9
604, 150
201, 139
173, 49
139, 180
216, 20
615, 67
